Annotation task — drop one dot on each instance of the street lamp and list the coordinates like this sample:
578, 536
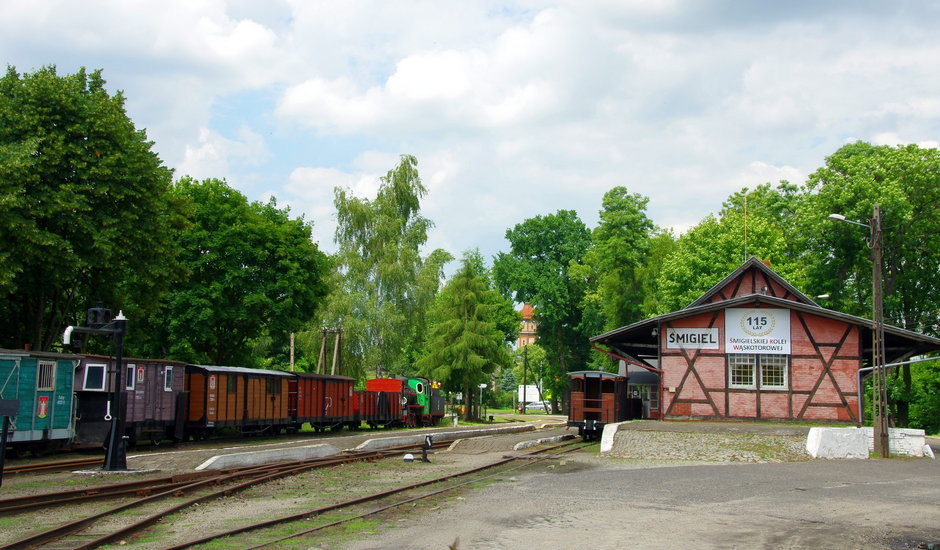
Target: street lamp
879, 378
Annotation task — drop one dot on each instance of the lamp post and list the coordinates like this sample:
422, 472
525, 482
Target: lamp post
879, 378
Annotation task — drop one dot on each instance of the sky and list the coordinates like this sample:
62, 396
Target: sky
513, 109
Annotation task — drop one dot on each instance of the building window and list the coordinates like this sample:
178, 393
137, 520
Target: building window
94, 377
45, 376
744, 369
741, 370
648, 393
168, 378
773, 372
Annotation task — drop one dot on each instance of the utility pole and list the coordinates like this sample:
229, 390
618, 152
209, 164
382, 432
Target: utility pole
878, 359
880, 382
525, 370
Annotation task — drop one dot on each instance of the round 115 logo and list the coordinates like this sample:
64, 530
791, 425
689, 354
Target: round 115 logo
758, 322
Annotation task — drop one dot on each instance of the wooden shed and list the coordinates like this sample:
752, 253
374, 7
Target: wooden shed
755, 348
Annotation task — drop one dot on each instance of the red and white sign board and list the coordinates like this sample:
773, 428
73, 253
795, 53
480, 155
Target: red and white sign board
42, 407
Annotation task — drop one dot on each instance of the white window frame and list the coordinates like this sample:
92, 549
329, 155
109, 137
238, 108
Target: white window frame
766, 361
130, 373
168, 378
757, 362
104, 376
740, 360
45, 376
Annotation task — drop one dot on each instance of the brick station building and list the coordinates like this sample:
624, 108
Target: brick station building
755, 348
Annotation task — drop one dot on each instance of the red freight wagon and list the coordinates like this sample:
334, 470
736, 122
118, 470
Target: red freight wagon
249, 400
325, 401
152, 394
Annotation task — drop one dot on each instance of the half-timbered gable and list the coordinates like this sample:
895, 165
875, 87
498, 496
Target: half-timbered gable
754, 347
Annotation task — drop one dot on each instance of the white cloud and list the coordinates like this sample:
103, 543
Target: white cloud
217, 156
514, 109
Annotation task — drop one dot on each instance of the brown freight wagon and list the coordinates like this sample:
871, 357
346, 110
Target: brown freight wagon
596, 398
324, 401
152, 395
247, 400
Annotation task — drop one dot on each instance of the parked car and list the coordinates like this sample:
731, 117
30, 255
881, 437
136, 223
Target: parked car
536, 406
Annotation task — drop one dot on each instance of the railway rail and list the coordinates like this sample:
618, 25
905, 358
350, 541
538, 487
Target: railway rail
574, 445
81, 533
56, 466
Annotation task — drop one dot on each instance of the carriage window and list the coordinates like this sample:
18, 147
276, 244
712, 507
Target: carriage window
94, 377
271, 385
45, 376
168, 378
231, 384
129, 381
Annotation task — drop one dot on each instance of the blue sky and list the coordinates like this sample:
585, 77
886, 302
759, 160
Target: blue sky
513, 109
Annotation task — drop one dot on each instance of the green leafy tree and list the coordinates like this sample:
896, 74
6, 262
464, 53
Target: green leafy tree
86, 211
466, 344
905, 182
610, 272
381, 284
536, 270
719, 244
253, 276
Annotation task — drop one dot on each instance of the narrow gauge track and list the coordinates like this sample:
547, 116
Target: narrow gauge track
574, 446
57, 466
150, 491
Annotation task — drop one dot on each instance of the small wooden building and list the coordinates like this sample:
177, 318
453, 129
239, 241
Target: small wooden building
754, 347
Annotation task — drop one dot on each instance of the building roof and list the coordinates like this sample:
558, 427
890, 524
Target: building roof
527, 311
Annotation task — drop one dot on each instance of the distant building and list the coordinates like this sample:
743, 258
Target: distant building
529, 327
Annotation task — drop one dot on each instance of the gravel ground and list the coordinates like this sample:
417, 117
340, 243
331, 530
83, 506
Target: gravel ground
665, 484
700, 485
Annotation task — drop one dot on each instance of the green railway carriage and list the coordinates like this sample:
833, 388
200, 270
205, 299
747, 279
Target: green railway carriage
42, 382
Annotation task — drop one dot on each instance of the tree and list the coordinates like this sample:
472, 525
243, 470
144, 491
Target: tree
719, 244
905, 182
253, 276
380, 283
87, 213
466, 343
536, 270
610, 269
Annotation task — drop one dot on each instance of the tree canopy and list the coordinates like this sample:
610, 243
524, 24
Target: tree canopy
466, 343
380, 281
87, 212
251, 272
536, 270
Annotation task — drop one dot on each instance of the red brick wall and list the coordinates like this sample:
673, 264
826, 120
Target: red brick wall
812, 393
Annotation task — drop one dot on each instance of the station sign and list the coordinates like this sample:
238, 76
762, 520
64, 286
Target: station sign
757, 330
692, 338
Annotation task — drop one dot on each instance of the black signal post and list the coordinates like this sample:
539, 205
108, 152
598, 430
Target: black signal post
100, 319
